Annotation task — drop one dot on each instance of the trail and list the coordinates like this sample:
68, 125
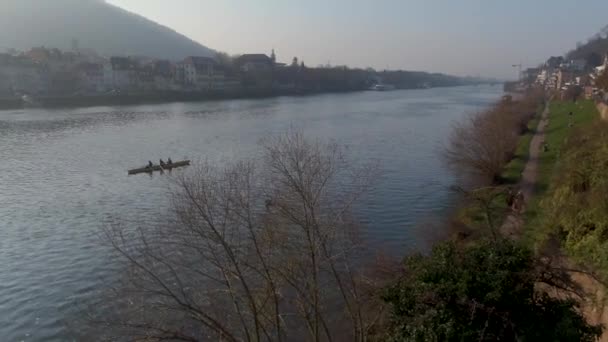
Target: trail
591, 293
514, 222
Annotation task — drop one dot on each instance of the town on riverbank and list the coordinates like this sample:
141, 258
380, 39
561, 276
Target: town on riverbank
81, 77
568, 77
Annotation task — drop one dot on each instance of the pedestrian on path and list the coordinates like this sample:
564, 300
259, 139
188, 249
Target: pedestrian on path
518, 201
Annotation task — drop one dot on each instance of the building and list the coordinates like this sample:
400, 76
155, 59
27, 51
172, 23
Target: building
55, 59
145, 78
600, 69
200, 73
542, 77
20, 75
255, 62
93, 77
163, 75
530, 75
564, 79
124, 73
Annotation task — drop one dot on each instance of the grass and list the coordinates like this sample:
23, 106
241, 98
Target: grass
560, 127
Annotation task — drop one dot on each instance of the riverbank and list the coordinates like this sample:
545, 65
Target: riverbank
491, 274
563, 217
565, 220
160, 97
497, 155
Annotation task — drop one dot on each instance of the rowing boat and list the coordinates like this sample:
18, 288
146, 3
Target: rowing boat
150, 169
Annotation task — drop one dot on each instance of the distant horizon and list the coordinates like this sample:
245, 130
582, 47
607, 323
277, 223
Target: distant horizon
471, 38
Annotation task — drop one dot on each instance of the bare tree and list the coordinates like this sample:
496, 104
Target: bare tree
481, 145
255, 251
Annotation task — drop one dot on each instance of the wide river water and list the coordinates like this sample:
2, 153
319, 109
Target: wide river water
63, 177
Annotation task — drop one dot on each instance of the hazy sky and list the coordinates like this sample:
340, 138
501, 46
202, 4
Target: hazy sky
464, 37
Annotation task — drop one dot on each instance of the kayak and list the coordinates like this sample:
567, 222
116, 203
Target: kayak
150, 169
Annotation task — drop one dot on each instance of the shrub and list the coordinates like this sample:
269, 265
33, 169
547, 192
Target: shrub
484, 292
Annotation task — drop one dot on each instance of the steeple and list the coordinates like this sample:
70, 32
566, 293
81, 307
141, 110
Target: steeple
273, 57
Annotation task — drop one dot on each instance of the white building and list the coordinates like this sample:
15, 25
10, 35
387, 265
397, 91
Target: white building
201, 73
600, 69
542, 77
20, 75
93, 77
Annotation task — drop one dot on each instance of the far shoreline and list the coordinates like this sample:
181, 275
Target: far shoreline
164, 97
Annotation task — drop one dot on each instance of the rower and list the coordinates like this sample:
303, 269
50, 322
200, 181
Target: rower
150, 163
169, 161
162, 163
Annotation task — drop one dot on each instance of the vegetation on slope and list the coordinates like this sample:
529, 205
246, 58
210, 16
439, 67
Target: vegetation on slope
488, 288
95, 24
575, 210
562, 126
485, 292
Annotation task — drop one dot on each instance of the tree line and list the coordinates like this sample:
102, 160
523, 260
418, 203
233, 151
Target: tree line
299, 76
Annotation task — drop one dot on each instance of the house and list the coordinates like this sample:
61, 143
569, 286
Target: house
254, 62
564, 79
19, 75
93, 77
55, 59
542, 77
600, 69
124, 73
145, 80
200, 73
163, 74
530, 75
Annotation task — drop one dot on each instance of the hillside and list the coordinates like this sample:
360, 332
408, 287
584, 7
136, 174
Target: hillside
95, 24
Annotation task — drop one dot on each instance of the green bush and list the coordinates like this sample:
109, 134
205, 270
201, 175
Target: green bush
484, 292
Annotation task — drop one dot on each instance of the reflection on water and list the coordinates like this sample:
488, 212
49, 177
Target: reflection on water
63, 178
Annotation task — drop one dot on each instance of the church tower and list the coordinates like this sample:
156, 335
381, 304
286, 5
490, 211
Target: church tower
273, 57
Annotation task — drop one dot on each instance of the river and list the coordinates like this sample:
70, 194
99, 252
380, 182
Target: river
63, 177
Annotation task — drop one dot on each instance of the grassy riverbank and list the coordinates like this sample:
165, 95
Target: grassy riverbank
489, 274
491, 201
562, 127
